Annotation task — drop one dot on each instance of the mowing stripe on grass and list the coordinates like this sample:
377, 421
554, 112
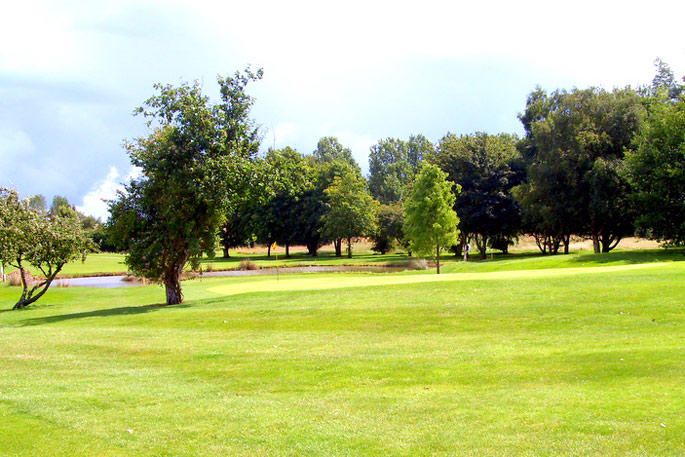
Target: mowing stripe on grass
388, 279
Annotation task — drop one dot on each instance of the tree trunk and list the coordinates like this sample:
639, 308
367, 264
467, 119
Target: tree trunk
459, 248
595, 243
338, 247
268, 250
174, 296
226, 254
609, 242
172, 284
312, 248
27, 296
287, 250
482, 243
567, 242
349, 248
437, 257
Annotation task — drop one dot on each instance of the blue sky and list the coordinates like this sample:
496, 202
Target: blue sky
71, 72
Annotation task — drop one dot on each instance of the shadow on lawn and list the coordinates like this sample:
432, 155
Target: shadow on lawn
634, 257
122, 311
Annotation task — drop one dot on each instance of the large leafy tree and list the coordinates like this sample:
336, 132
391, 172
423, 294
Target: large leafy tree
45, 241
351, 210
486, 168
575, 143
657, 172
286, 178
393, 164
389, 170
430, 221
329, 149
193, 163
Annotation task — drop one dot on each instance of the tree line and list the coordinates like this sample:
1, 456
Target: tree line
594, 163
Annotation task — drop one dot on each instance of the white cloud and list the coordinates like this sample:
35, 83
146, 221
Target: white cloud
95, 201
36, 40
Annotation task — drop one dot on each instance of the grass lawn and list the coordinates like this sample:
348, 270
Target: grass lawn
584, 362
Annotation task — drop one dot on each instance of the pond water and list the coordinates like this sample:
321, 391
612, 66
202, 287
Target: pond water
118, 281
105, 282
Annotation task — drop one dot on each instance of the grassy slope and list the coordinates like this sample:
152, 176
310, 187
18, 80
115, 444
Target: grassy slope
540, 366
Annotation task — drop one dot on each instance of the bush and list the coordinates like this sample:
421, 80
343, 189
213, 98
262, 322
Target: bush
15, 278
418, 264
247, 264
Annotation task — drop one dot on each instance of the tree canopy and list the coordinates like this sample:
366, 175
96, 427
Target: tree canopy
486, 167
656, 169
430, 221
575, 142
351, 210
45, 241
193, 163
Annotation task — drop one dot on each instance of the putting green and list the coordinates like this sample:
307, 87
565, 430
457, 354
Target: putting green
321, 283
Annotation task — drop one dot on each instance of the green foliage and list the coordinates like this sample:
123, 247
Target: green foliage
38, 203
664, 85
389, 229
657, 172
430, 222
286, 176
60, 205
47, 242
389, 170
351, 210
329, 149
194, 163
575, 143
487, 168
393, 164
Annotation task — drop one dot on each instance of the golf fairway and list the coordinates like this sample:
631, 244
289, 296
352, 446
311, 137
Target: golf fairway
284, 284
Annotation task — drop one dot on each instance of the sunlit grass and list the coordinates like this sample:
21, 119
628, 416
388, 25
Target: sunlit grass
587, 363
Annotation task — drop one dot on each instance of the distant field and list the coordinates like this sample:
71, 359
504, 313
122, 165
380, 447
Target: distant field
585, 361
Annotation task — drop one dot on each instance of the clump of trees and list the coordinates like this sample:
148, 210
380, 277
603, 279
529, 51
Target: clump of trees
593, 163
486, 167
30, 235
575, 145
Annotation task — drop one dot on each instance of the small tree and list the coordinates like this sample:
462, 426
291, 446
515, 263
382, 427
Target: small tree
430, 222
47, 242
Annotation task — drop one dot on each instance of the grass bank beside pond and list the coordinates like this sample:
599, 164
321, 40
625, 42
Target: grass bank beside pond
582, 364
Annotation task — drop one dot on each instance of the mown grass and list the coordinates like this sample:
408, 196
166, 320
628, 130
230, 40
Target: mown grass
583, 365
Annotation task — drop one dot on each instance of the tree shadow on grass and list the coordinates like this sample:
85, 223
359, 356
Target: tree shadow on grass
634, 257
109, 312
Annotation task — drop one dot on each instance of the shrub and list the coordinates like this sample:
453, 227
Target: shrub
418, 264
247, 264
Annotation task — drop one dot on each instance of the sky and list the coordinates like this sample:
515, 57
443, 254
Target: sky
72, 72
